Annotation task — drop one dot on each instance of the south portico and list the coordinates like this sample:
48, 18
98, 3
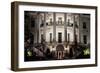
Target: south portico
56, 29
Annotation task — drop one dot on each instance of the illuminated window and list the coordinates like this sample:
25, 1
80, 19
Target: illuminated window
59, 20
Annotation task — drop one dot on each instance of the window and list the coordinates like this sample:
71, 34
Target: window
42, 23
59, 20
46, 23
50, 37
76, 24
51, 21
68, 37
84, 25
76, 38
59, 37
85, 39
68, 22
41, 37
72, 24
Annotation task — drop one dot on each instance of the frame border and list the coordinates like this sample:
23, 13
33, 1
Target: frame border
15, 34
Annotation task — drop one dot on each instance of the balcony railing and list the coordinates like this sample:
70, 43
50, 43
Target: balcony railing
60, 24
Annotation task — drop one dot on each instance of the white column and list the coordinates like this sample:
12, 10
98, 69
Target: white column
39, 20
65, 26
54, 27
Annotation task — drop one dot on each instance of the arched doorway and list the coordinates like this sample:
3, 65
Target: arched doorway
60, 51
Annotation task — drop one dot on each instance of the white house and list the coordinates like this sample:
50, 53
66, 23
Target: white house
60, 28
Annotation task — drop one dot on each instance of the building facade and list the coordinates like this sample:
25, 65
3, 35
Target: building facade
59, 28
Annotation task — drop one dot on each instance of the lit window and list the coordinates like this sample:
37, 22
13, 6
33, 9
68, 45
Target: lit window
59, 20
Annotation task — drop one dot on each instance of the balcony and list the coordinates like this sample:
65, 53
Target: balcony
60, 24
